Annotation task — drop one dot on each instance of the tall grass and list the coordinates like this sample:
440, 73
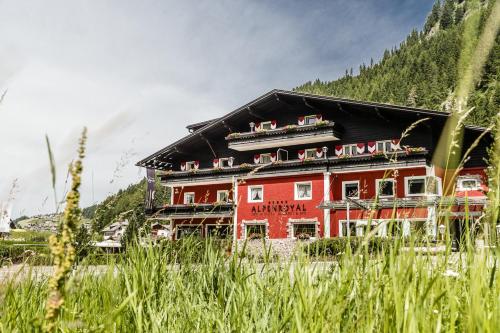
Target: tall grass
395, 291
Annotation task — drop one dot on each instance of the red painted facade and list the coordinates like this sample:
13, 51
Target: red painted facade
279, 194
202, 193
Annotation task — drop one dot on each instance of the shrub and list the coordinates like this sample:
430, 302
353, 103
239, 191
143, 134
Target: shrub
332, 247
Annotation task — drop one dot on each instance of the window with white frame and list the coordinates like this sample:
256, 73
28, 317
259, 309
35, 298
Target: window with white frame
347, 229
219, 231
224, 162
350, 149
223, 196
415, 186
190, 165
306, 230
183, 231
303, 191
189, 198
266, 125
385, 187
265, 158
384, 146
468, 184
358, 228
255, 231
350, 189
310, 120
256, 193
310, 153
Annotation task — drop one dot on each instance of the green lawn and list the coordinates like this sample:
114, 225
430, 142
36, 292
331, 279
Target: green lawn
210, 292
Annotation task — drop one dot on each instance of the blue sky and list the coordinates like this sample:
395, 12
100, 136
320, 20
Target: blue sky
137, 72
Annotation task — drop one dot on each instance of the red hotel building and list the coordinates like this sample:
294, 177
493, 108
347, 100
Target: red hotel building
290, 165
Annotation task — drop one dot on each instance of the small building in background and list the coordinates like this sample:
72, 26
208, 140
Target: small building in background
115, 230
160, 231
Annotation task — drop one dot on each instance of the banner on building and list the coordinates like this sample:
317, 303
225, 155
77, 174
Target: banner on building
150, 193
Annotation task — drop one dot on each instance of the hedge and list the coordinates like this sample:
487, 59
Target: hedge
332, 247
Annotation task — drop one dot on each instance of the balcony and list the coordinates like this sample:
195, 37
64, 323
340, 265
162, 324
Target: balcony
195, 211
367, 160
290, 135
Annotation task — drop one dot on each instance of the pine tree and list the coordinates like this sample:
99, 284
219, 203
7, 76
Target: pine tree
459, 14
433, 17
447, 17
412, 97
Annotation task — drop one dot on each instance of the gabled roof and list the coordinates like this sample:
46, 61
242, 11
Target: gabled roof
195, 126
275, 95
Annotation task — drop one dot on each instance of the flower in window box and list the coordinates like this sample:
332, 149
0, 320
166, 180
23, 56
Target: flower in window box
290, 127
344, 156
303, 236
320, 123
411, 150
233, 135
378, 153
245, 166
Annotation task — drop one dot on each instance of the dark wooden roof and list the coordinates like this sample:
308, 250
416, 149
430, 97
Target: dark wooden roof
277, 98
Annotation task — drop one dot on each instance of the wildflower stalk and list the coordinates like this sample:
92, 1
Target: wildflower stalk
62, 246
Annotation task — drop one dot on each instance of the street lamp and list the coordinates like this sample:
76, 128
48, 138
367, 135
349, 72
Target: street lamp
325, 150
252, 126
441, 230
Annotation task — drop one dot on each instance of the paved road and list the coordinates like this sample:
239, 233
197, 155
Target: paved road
20, 272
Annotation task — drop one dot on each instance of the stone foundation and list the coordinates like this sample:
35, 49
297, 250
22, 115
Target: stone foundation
282, 248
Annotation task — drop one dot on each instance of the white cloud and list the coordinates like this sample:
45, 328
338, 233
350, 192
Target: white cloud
137, 72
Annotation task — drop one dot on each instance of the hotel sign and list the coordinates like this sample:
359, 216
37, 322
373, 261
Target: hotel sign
279, 207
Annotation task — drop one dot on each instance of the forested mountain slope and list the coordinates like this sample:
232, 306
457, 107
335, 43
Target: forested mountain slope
423, 70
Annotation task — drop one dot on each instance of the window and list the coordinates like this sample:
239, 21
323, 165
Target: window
347, 229
415, 186
223, 196
394, 229
310, 120
350, 189
468, 184
385, 187
350, 149
266, 125
304, 230
255, 231
220, 231
310, 153
187, 231
190, 165
189, 198
255, 193
224, 162
384, 146
265, 158
303, 191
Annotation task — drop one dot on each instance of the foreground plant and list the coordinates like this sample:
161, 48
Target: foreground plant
62, 246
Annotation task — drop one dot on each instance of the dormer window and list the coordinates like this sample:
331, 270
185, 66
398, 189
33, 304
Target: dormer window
310, 120
350, 150
265, 158
468, 184
226, 162
191, 165
384, 146
266, 125
310, 153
